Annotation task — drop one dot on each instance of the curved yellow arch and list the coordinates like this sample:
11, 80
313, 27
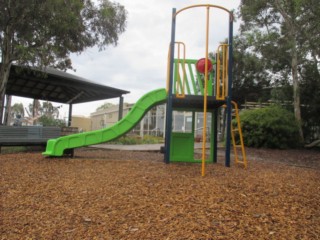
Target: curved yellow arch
208, 6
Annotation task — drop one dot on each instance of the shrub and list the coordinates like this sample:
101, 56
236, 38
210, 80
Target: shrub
270, 127
50, 121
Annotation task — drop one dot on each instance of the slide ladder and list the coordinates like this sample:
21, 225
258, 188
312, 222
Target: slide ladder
238, 145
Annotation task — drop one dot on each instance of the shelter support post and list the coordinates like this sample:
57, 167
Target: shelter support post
70, 115
7, 113
2, 111
120, 108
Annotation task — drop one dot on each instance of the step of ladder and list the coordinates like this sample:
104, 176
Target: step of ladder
235, 145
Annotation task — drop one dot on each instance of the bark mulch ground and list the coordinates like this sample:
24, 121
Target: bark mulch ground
101, 194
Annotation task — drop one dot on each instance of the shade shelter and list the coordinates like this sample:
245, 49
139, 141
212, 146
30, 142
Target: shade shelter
53, 85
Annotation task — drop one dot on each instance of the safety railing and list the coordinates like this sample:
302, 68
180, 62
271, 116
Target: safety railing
187, 80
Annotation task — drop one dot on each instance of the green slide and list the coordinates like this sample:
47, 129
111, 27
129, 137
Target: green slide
56, 147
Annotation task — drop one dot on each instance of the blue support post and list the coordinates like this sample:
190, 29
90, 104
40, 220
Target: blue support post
214, 134
229, 105
169, 101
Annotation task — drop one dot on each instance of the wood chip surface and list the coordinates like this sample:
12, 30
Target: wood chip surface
104, 194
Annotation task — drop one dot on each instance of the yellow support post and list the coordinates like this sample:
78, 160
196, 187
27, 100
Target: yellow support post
204, 137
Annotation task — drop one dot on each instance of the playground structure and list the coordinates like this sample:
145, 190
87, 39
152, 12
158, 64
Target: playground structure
192, 86
197, 88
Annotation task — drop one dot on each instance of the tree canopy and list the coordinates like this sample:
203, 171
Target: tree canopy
45, 33
285, 36
250, 75
106, 105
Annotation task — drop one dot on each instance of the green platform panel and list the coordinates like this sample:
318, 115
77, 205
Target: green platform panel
57, 147
182, 147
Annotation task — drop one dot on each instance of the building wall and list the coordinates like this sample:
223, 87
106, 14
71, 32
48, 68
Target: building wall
82, 123
108, 117
153, 123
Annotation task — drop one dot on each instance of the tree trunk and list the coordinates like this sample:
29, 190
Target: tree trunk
5, 67
4, 75
296, 88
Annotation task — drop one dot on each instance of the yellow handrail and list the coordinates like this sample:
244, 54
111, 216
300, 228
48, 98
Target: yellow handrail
168, 70
222, 81
178, 78
226, 76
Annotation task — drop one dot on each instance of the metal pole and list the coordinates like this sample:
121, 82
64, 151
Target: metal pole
169, 100
120, 108
214, 134
142, 128
229, 97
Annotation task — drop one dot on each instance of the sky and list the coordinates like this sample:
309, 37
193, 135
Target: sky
139, 62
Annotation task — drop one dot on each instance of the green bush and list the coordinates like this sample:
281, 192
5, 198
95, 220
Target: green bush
50, 121
270, 127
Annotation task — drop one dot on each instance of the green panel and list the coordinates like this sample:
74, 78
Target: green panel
192, 82
210, 85
177, 75
56, 147
182, 147
200, 83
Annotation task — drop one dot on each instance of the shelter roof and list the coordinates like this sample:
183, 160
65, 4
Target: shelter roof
56, 86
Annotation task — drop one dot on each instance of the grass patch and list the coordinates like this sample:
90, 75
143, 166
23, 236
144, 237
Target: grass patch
134, 140
15, 149
18, 149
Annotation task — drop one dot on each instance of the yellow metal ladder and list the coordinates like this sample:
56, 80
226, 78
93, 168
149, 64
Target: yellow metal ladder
236, 147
